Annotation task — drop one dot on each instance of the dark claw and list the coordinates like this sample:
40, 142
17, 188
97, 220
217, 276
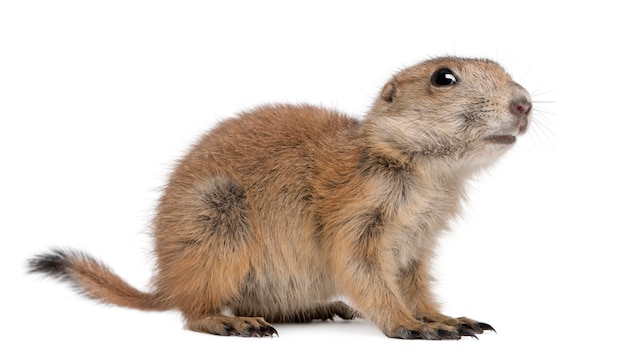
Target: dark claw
485, 326
260, 331
231, 332
429, 335
465, 330
411, 334
263, 330
270, 331
448, 335
475, 328
404, 333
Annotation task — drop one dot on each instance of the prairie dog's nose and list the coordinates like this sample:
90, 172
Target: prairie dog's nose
521, 107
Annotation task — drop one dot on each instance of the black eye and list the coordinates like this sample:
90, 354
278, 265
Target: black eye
443, 77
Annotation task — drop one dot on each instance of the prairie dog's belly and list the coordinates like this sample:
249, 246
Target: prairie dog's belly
278, 288
289, 270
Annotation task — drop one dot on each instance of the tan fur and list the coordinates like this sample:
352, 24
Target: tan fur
274, 213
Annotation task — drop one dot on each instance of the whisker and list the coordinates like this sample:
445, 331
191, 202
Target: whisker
544, 92
542, 129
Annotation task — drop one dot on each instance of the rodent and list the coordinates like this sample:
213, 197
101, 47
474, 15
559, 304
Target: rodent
276, 213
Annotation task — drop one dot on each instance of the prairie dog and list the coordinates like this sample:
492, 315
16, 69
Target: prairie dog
276, 213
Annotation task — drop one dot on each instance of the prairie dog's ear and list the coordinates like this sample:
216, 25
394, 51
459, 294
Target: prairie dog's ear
389, 92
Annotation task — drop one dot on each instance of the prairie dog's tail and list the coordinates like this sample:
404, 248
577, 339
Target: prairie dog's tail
93, 279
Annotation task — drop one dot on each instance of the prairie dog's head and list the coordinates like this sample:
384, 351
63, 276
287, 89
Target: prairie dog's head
453, 110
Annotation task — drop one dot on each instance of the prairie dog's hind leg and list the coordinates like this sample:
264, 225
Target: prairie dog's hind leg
205, 245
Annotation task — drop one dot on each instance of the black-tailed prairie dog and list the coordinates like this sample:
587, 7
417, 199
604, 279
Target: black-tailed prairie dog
276, 214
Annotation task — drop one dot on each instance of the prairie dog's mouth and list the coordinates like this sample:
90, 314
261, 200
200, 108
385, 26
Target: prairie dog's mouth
501, 139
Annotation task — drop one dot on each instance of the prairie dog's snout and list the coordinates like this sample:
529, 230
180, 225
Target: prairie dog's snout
508, 126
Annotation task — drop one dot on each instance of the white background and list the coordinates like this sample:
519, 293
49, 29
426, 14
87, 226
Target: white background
99, 99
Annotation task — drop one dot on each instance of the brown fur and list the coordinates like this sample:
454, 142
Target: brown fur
274, 213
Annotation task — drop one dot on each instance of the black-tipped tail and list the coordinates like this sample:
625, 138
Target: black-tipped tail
52, 264
93, 279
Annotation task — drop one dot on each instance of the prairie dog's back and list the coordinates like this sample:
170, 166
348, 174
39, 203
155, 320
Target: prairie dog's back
273, 152
277, 138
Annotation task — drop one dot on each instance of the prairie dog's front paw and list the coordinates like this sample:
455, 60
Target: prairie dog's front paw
467, 323
426, 331
464, 326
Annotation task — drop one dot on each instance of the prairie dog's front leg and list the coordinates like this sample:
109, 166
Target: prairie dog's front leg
364, 273
415, 283
377, 299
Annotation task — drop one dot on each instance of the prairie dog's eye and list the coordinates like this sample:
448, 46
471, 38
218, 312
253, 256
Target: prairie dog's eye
443, 77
